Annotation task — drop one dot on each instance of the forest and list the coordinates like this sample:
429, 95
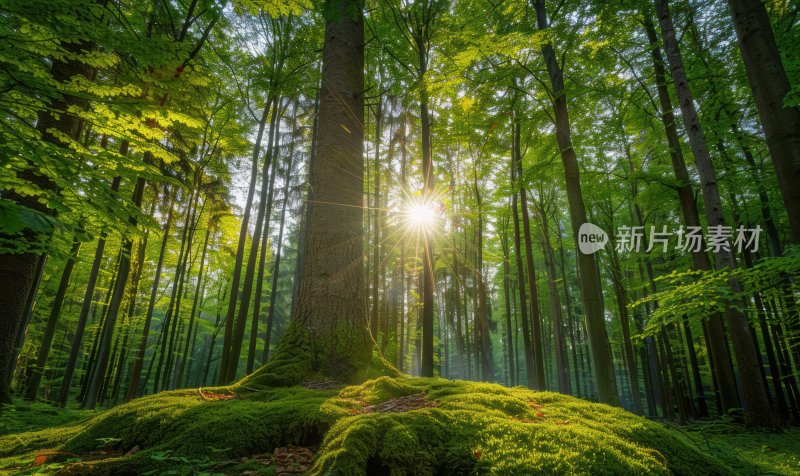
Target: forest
336, 237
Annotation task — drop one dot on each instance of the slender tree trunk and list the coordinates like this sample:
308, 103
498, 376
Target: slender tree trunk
562, 364
376, 240
93, 392
169, 323
509, 335
536, 335
35, 371
243, 232
136, 372
714, 330
530, 370
241, 321
186, 355
426, 364
277, 266
589, 277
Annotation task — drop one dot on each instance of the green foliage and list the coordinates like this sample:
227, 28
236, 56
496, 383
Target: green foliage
697, 294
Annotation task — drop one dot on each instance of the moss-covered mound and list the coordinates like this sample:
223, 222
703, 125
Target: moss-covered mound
387, 425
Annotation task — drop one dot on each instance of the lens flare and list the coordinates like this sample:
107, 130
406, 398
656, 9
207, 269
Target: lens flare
420, 216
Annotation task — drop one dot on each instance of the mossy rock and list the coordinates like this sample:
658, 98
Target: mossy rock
462, 428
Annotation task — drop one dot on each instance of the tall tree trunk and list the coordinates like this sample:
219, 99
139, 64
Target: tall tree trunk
277, 266
536, 319
755, 397
328, 334
169, 323
241, 321
233, 299
589, 278
35, 371
136, 372
509, 335
770, 86
426, 364
93, 392
376, 239
714, 329
18, 271
562, 363
196, 299
530, 370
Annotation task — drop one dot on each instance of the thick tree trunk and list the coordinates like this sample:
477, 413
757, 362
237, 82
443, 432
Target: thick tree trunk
328, 334
18, 271
770, 86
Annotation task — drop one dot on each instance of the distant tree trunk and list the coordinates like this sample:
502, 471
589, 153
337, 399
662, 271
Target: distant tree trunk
530, 370
482, 320
770, 86
233, 299
328, 334
576, 360
262, 266
509, 335
376, 240
589, 278
757, 404
196, 299
169, 322
235, 349
136, 372
277, 266
93, 392
562, 365
80, 326
536, 335
35, 371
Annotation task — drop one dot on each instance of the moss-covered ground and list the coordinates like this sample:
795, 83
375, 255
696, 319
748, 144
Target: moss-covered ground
387, 425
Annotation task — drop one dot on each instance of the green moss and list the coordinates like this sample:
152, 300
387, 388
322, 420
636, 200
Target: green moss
30, 416
474, 428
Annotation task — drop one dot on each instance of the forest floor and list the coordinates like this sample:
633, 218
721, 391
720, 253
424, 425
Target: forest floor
413, 425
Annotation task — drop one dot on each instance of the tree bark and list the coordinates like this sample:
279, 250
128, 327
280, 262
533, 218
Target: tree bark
755, 397
136, 372
589, 276
770, 86
328, 334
